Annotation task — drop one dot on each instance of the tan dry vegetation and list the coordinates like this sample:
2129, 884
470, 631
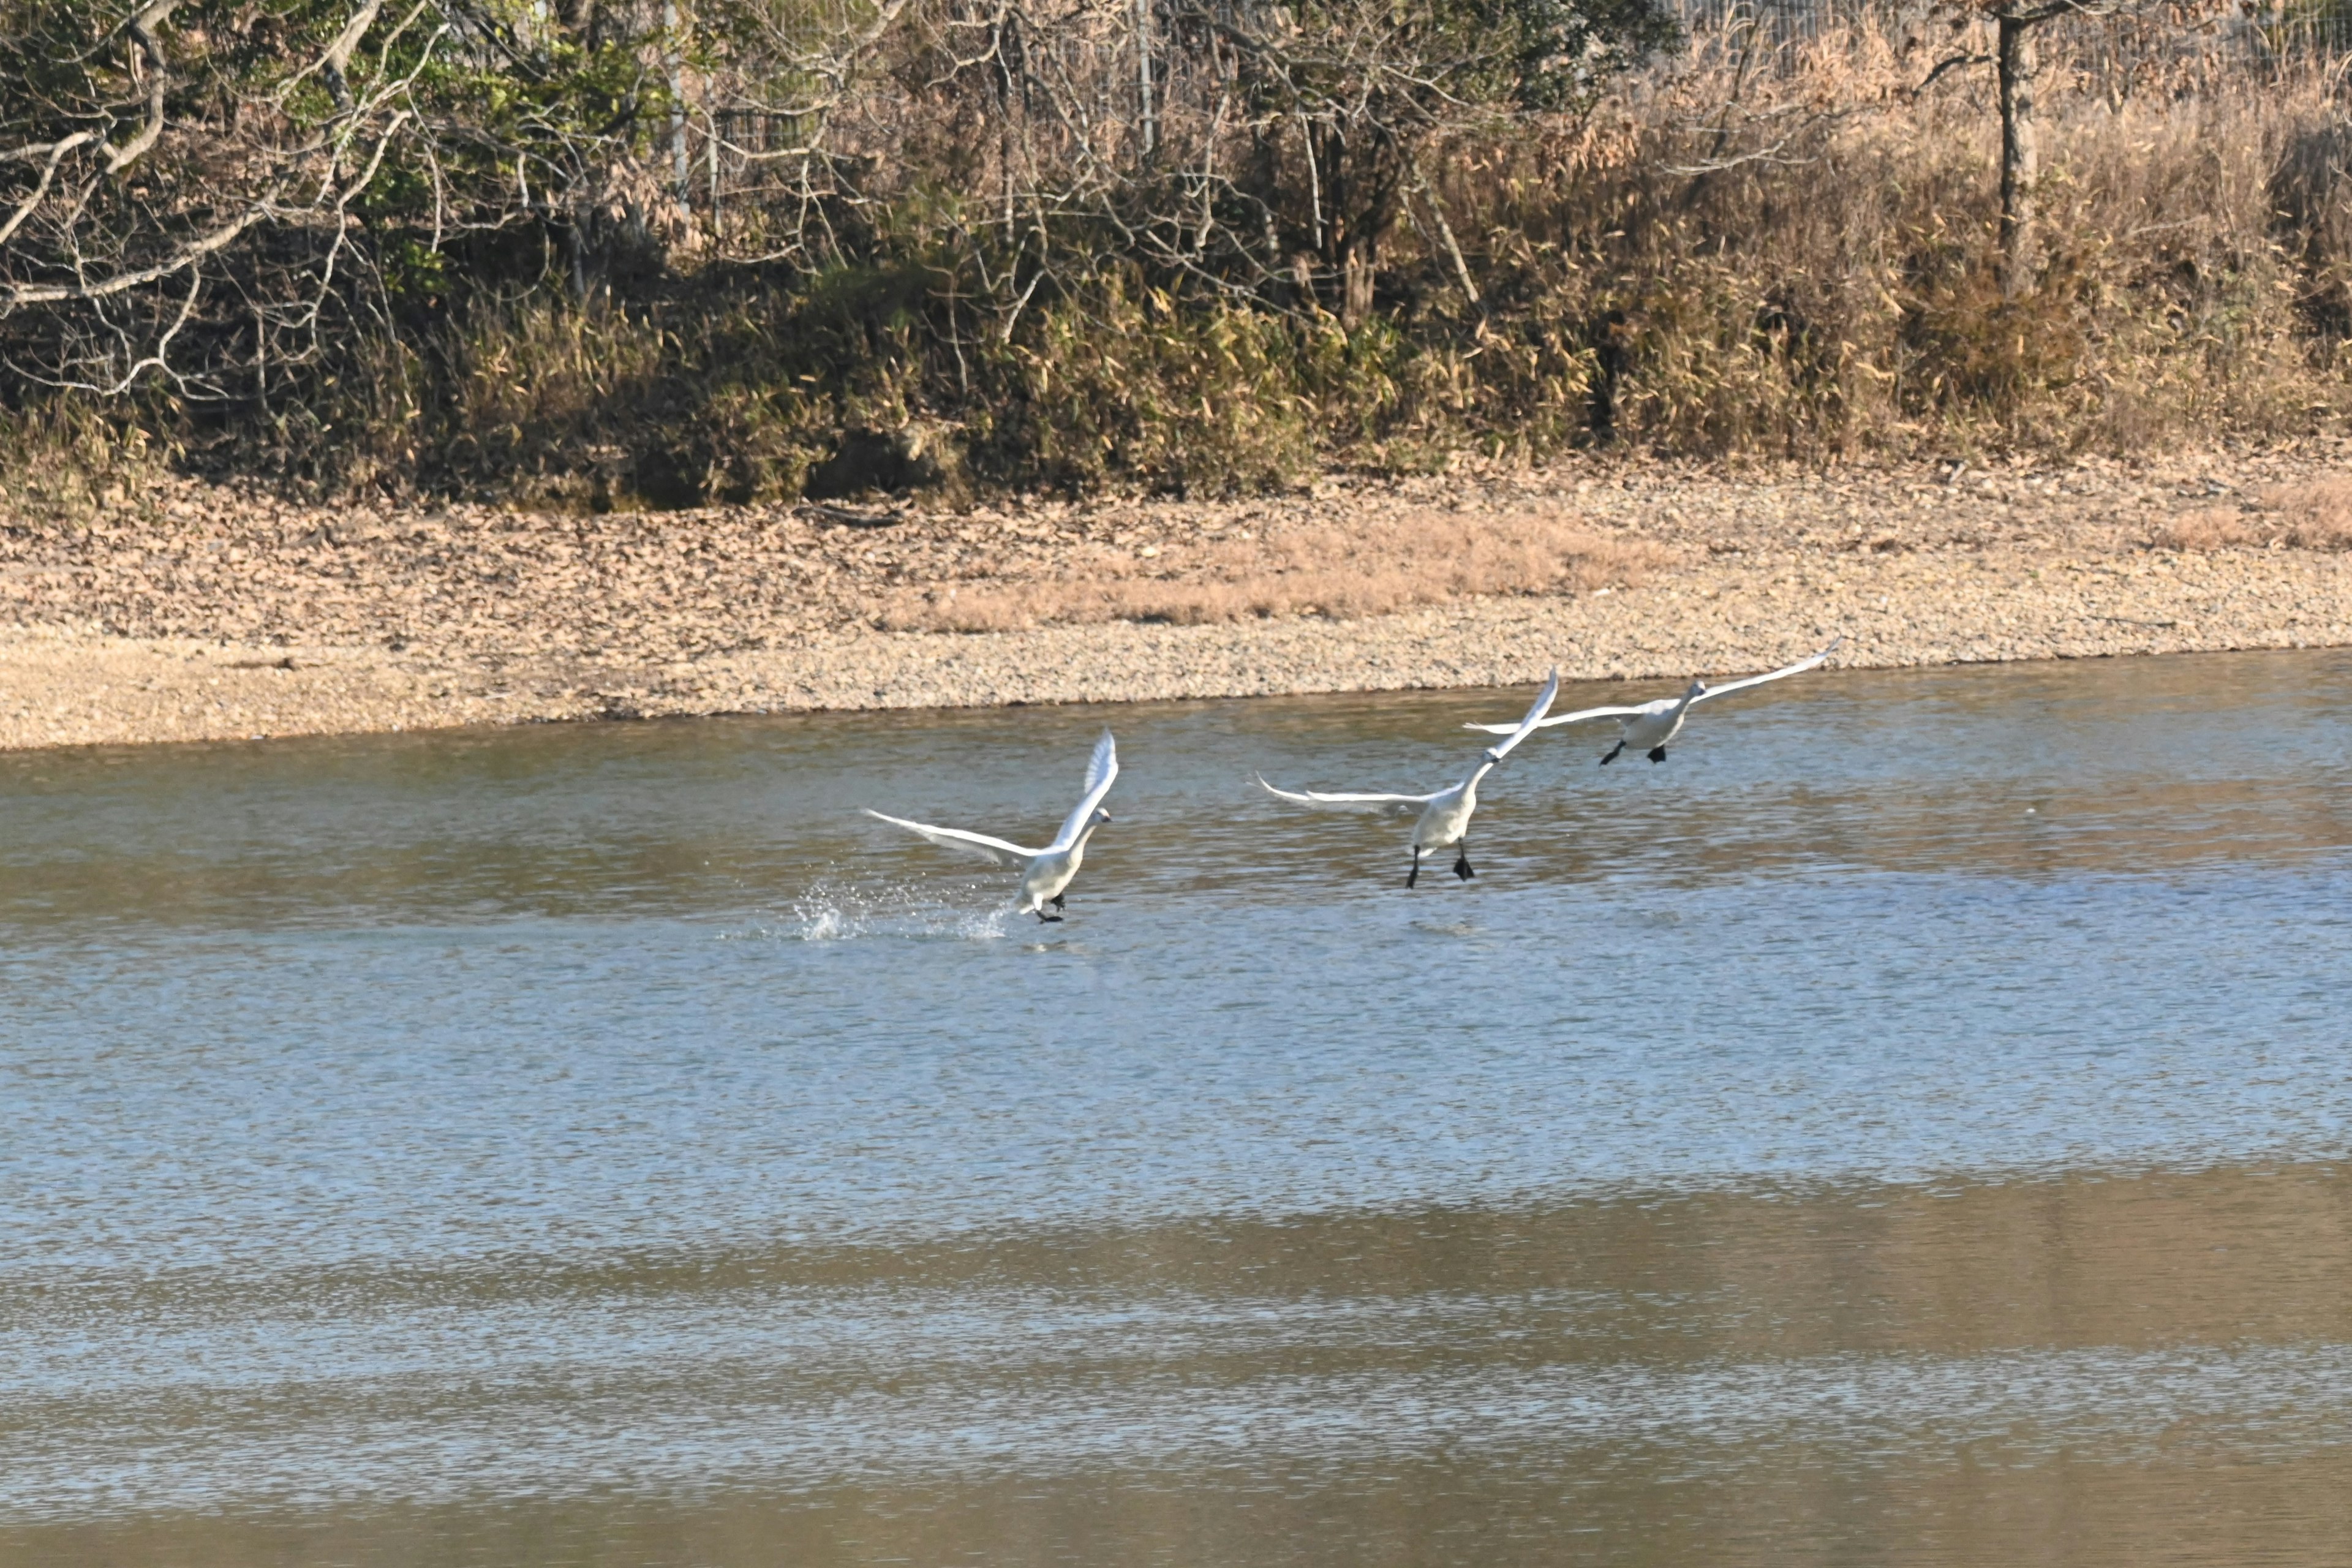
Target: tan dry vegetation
2315, 515
1797, 256
1375, 568
1744, 250
1789, 257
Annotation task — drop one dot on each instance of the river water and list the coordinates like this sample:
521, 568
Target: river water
1908, 1126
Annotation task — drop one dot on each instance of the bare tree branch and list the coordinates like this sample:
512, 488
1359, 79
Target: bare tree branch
142, 27
57, 150
19, 296
1953, 63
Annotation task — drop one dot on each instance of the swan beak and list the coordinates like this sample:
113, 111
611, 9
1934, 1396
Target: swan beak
1101, 815
1493, 756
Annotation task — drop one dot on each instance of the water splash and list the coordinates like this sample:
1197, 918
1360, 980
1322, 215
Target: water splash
832, 912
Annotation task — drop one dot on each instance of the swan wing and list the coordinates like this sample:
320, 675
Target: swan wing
1578, 717
1102, 768
979, 844
1394, 805
1534, 719
1802, 665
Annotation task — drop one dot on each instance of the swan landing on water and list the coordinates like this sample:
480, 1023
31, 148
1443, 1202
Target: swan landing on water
1044, 873
1649, 726
1442, 818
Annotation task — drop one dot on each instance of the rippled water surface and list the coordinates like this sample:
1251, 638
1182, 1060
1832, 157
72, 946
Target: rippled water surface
1907, 1126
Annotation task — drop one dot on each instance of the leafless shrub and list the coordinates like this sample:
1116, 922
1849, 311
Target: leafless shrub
226, 208
1801, 254
1372, 569
623, 252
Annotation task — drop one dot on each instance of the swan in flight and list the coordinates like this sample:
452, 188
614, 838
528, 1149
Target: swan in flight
1650, 725
1442, 818
1043, 872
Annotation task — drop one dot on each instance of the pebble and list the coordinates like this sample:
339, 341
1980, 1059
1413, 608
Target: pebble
206, 614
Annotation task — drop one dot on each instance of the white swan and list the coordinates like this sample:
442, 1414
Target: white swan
1650, 725
1442, 818
1044, 872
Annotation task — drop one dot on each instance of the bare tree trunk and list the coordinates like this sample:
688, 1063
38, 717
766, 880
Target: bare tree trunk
1356, 279
1143, 71
677, 106
1452, 245
2020, 154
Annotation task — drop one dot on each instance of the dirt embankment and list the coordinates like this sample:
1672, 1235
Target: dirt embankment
207, 616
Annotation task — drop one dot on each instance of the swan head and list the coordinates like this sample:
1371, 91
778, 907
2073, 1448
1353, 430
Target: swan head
1101, 815
1698, 689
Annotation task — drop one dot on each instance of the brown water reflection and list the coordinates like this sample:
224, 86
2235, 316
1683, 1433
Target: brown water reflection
2068, 1512
2033, 770
2077, 1371
1899, 1130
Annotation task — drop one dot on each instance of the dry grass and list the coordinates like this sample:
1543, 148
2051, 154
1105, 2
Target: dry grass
1836, 293
66, 461
2210, 528
2314, 516
1371, 569
1786, 257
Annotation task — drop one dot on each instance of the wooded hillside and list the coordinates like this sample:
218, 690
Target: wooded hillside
658, 252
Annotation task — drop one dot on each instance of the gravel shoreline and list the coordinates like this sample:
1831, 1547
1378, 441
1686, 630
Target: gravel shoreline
207, 616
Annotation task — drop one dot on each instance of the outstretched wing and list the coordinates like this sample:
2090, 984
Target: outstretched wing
1101, 769
1578, 717
1534, 719
1393, 805
1802, 665
979, 844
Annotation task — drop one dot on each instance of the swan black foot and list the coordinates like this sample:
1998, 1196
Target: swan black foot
1657, 753
1056, 900
1462, 867
1610, 755
1048, 920
1413, 876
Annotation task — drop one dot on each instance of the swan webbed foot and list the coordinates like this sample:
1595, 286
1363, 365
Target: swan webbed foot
1045, 918
1612, 755
1657, 753
1056, 900
1462, 867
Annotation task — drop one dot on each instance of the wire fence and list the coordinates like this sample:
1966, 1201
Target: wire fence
2110, 51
